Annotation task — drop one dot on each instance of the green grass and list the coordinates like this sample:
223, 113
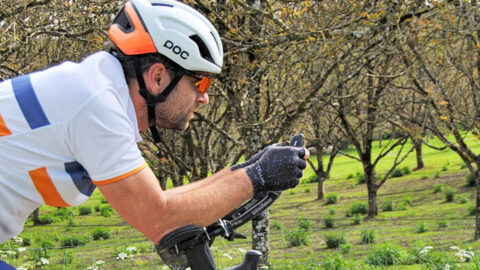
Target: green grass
398, 226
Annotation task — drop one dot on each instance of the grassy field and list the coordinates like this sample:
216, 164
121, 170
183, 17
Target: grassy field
411, 217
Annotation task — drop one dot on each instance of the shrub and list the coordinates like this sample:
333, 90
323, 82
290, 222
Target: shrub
471, 210
437, 175
75, 241
277, 225
334, 240
350, 176
84, 210
100, 233
297, 238
103, 200
47, 219
388, 205
463, 165
368, 236
307, 190
357, 219
70, 226
304, 223
449, 194
345, 249
336, 262
470, 180
26, 241
408, 200
397, 173
424, 177
64, 213
359, 208
360, 178
437, 188
385, 254
332, 198
462, 200
443, 224
329, 221
311, 179
106, 210
348, 213
331, 211
422, 227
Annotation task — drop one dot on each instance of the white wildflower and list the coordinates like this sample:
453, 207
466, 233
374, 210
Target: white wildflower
11, 253
447, 267
165, 268
44, 261
226, 255
92, 268
122, 256
241, 250
99, 262
464, 255
21, 249
131, 249
22, 268
425, 250
454, 248
18, 240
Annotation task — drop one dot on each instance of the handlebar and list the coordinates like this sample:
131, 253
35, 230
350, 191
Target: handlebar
189, 246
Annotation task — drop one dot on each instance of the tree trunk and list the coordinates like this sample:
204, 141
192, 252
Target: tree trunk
36, 215
477, 212
322, 193
260, 237
372, 193
418, 150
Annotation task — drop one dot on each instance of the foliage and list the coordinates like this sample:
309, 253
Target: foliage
329, 221
74, 241
470, 178
46, 219
399, 172
332, 198
422, 227
450, 194
357, 219
385, 254
100, 233
437, 188
359, 207
304, 224
84, 210
64, 213
297, 238
335, 239
368, 236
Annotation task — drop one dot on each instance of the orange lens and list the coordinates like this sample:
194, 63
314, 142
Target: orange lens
203, 84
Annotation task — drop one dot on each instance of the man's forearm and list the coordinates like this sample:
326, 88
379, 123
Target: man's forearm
140, 200
198, 184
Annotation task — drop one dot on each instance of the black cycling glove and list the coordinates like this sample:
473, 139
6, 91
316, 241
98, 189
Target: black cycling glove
277, 169
255, 157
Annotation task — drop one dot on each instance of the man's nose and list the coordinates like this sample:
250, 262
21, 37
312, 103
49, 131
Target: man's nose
203, 98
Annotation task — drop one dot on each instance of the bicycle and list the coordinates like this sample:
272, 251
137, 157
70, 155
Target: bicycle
189, 246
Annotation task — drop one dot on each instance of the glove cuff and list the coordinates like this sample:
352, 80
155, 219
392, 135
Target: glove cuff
254, 172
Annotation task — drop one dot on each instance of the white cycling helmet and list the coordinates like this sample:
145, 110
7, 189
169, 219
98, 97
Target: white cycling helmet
170, 28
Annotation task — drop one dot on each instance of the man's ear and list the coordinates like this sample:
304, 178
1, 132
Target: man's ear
156, 78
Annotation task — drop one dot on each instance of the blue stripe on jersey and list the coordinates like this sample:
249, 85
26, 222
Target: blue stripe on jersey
80, 178
28, 102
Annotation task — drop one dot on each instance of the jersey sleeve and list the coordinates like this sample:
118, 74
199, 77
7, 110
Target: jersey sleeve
101, 138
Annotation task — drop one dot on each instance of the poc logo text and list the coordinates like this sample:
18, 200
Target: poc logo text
176, 49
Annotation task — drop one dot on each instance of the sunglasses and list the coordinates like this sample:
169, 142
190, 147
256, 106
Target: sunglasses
202, 82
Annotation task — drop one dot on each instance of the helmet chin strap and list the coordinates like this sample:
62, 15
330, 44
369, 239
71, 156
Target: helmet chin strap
152, 100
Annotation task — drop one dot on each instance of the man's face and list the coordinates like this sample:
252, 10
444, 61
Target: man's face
177, 111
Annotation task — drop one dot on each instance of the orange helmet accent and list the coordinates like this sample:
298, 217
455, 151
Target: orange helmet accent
135, 42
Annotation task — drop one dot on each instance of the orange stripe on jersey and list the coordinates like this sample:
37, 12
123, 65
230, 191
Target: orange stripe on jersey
44, 185
4, 131
123, 176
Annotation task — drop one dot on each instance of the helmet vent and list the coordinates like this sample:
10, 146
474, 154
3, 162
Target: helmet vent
162, 5
123, 21
215, 41
204, 52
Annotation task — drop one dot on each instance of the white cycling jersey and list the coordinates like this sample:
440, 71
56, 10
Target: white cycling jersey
63, 131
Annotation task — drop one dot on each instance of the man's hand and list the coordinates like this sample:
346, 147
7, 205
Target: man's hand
278, 168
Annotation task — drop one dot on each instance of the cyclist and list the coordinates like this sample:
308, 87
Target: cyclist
73, 127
